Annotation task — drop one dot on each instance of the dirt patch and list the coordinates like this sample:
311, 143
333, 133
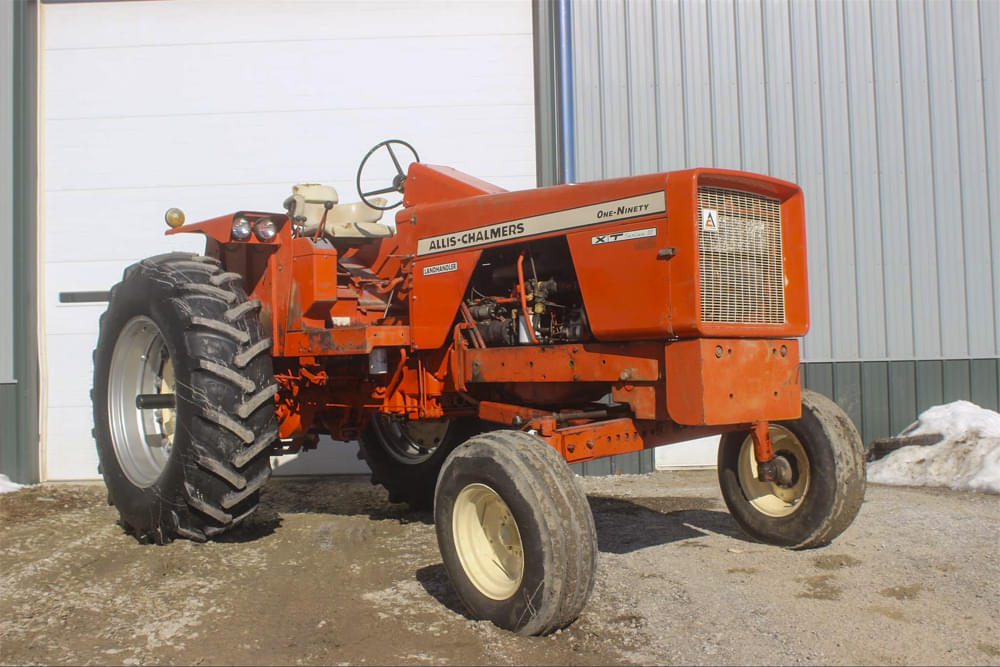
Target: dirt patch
36, 502
820, 587
902, 592
835, 561
329, 572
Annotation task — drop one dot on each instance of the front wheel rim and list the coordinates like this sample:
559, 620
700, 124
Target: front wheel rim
770, 498
488, 541
140, 364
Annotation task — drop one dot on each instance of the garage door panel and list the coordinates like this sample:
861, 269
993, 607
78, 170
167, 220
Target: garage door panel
269, 148
126, 225
98, 232
77, 318
224, 105
69, 355
250, 22
216, 78
70, 452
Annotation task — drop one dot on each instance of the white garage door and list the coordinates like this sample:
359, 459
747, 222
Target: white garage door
217, 106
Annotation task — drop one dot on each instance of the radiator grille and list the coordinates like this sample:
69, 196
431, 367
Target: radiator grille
741, 271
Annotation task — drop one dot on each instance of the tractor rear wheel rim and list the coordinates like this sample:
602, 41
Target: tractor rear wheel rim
140, 364
412, 441
770, 498
488, 541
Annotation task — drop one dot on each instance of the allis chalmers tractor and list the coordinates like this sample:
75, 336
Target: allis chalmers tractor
473, 350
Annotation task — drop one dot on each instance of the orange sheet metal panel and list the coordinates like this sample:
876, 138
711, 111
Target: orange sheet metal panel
616, 436
314, 272
345, 340
623, 282
580, 362
729, 381
439, 283
430, 183
451, 231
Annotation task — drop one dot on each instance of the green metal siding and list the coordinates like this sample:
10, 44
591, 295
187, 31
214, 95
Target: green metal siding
884, 397
881, 397
19, 455
9, 452
875, 383
903, 398
984, 383
619, 464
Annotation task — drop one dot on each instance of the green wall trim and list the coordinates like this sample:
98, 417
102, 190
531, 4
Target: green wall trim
884, 397
19, 403
881, 397
8, 430
633, 463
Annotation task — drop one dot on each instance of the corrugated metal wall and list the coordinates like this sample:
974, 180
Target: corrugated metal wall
887, 114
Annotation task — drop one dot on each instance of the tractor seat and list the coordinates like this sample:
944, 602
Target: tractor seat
356, 220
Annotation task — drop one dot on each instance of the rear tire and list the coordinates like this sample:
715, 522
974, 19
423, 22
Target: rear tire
178, 324
405, 456
828, 485
515, 532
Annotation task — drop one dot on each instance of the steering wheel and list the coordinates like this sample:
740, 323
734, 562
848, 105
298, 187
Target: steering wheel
398, 181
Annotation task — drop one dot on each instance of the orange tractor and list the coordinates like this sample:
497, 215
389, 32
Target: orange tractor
473, 349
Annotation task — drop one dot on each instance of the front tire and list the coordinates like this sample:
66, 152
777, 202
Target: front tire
827, 487
515, 532
192, 466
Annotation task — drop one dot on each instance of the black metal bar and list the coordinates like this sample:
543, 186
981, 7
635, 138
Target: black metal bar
84, 297
581, 414
155, 401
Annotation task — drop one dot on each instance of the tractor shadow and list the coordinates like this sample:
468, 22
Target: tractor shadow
623, 526
434, 579
337, 495
627, 525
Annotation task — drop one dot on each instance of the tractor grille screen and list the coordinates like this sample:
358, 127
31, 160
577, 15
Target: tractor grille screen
739, 237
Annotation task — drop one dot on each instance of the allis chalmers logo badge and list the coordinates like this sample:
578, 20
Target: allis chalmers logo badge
626, 208
710, 220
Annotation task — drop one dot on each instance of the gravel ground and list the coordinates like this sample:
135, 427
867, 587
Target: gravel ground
328, 571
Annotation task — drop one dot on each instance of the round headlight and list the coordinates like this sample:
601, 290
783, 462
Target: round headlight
265, 229
241, 229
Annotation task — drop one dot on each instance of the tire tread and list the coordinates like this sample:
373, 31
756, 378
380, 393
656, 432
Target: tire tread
229, 431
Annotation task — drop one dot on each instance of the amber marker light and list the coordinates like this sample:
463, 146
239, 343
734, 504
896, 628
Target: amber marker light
174, 217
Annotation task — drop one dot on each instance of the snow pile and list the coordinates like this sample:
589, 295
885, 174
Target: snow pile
966, 459
6, 486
